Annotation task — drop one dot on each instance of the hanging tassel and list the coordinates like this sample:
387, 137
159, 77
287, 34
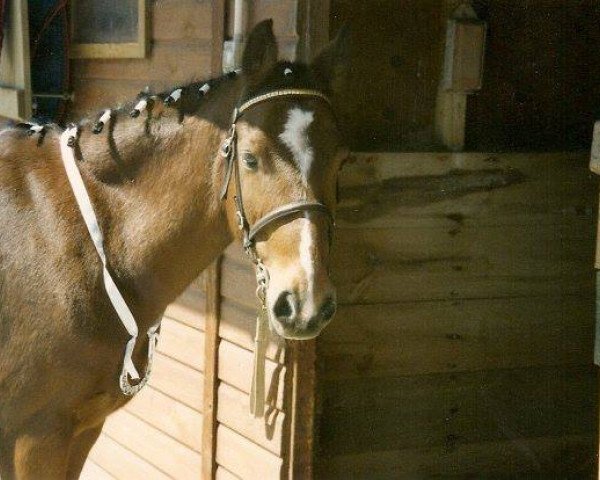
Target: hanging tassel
257, 391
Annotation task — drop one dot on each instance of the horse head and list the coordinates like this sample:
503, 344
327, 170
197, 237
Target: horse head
288, 150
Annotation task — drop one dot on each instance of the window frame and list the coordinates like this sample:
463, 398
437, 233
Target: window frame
136, 49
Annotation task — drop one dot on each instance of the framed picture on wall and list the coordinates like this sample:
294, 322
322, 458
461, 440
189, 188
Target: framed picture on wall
108, 29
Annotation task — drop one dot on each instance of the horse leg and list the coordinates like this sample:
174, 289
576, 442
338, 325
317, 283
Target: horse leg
80, 448
42, 452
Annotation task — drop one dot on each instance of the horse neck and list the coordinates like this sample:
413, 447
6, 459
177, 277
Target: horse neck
167, 224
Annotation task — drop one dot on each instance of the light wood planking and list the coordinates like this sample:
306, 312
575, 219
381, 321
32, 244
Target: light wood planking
244, 458
121, 462
189, 308
238, 325
92, 471
152, 445
181, 20
169, 416
178, 381
176, 62
235, 368
223, 474
182, 343
233, 412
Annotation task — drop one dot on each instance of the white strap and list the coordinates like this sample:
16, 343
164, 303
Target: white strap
91, 221
257, 390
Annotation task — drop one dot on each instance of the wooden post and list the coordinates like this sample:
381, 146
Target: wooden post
463, 66
211, 370
302, 361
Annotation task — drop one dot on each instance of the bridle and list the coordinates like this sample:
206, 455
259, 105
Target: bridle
250, 233
68, 144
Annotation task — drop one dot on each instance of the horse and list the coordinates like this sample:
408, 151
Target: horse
157, 172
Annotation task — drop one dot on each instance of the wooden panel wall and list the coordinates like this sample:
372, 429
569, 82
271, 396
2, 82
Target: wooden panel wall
247, 448
463, 343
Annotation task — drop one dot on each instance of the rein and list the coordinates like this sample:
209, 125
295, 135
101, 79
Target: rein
68, 144
250, 233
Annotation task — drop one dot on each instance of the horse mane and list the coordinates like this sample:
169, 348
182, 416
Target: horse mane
193, 93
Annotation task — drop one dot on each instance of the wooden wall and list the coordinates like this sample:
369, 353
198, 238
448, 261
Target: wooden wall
248, 448
463, 345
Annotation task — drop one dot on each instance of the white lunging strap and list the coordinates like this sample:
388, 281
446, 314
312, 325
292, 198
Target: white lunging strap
118, 302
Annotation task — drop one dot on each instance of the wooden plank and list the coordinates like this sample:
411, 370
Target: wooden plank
235, 368
453, 336
218, 36
182, 343
91, 94
122, 463
189, 308
187, 20
303, 385
173, 62
450, 190
395, 413
244, 458
239, 284
169, 416
396, 264
152, 445
93, 471
233, 412
212, 315
238, 325
224, 474
532, 458
178, 381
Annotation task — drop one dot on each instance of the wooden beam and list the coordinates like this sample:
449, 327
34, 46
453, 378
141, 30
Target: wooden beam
303, 361
211, 370
218, 36
451, 106
15, 76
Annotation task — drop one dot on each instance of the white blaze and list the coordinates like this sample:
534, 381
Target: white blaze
307, 260
295, 137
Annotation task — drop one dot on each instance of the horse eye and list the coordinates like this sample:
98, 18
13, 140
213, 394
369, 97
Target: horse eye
250, 161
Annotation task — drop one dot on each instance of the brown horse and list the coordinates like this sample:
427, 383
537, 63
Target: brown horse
155, 182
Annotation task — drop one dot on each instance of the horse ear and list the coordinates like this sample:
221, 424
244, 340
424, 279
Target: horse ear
330, 66
260, 53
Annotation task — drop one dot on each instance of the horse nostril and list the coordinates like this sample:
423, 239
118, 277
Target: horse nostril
284, 307
328, 309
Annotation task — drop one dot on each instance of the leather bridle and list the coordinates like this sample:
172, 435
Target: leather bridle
250, 232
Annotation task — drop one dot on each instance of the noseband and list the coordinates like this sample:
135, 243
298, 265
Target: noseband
250, 232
